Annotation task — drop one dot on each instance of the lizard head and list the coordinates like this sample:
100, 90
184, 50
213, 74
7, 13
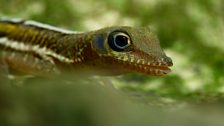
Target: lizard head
126, 49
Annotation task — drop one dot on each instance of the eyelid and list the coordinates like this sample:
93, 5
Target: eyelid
123, 34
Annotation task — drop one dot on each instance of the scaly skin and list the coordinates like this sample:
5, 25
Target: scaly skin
29, 48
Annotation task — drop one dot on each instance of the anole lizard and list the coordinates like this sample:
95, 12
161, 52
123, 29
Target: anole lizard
30, 47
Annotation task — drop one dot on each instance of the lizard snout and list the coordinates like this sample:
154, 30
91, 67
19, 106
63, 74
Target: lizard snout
168, 61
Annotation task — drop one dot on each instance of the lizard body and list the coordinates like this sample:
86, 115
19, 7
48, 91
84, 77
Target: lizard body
30, 47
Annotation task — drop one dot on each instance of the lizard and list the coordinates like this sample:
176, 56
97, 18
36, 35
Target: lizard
33, 48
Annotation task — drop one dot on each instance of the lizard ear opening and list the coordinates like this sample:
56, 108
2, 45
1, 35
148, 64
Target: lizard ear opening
119, 41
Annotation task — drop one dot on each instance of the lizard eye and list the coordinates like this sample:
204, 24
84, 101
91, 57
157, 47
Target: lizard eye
119, 41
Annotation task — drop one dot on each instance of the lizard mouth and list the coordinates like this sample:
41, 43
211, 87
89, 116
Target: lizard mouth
156, 67
142, 63
156, 70
150, 68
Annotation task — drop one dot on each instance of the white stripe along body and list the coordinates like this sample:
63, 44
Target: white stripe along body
19, 36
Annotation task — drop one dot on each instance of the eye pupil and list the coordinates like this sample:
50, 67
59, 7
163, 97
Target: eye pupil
121, 40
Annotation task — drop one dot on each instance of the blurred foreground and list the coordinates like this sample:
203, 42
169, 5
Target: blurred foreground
75, 102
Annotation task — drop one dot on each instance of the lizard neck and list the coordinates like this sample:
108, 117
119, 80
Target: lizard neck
77, 47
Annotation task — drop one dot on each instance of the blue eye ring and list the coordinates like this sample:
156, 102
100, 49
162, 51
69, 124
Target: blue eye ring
119, 41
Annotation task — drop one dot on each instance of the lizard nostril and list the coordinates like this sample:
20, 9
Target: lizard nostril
168, 61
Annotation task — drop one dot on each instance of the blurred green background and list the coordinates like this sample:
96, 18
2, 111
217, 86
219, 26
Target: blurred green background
191, 32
